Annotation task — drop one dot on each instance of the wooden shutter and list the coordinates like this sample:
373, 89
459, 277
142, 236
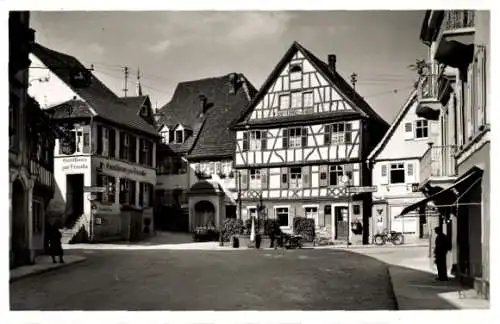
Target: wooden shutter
304, 137
328, 135
480, 80
245, 141
469, 105
384, 179
99, 140
105, 141
284, 178
306, 176
348, 133
263, 135
264, 178
323, 175
86, 139
150, 152
141, 194
285, 138
111, 142
244, 179
410, 173
408, 131
122, 145
133, 148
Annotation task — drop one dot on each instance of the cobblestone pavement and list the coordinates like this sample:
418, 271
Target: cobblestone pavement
206, 280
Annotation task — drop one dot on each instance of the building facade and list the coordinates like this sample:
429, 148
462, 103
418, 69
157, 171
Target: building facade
110, 144
31, 144
396, 169
454, 90
196, 180
305, 131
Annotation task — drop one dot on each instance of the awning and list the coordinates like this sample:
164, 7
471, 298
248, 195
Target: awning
461, 186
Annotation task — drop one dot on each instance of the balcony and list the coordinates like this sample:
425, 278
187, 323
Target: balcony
438, 165
429, 106
456, 21
456, 38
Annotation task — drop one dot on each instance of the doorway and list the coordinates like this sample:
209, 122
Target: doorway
19, 236
204, 214
341, 223
74, 197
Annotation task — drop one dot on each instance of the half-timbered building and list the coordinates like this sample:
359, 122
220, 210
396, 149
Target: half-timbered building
307, 130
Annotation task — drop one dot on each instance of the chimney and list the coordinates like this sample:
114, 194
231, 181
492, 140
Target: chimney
332, 62
203, 104
233, 82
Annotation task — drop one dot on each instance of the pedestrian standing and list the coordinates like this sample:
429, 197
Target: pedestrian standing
55, 245
440, 251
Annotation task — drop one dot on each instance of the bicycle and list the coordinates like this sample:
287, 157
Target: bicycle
396, 238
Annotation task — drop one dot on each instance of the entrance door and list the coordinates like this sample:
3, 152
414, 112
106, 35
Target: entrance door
19, 244
341, 224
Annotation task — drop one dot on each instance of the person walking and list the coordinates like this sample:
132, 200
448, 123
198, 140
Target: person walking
55, 245
440, 251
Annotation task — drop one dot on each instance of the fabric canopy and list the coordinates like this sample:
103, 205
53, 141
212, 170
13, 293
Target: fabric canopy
458, 188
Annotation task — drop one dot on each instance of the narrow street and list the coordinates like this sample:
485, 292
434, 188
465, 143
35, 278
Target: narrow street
210, 280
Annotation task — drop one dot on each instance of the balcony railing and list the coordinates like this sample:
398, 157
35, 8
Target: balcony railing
428, 87
458, 19
438, 161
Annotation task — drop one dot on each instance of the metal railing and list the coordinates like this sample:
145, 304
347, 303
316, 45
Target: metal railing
428, 87
438, 161
458, 19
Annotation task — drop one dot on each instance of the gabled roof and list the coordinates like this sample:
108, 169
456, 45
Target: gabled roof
101, 99
211, 136
334, 79
388, 135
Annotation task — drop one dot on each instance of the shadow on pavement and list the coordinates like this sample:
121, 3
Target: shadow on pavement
419, 290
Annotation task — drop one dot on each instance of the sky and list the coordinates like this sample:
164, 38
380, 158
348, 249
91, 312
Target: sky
173, 46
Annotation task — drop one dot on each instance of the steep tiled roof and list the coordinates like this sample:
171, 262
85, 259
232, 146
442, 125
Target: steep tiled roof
334, 78
374, 153
211, 136
100, 98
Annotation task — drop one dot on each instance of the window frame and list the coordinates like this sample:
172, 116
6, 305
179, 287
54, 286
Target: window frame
295, 180
255, 179
397, 167
255, 140
179, 137
422, 125
295, 141
279, 210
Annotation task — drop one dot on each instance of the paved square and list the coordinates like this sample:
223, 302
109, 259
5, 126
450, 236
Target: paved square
210, 280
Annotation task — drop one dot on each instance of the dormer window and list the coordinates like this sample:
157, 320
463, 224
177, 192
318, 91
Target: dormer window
164, 136
295, 76
179, 136
144, 111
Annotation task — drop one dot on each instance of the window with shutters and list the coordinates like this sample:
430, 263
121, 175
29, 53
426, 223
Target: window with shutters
338, 133
308, 99
282, 216
421, 128
295, 137
255, 180
255, 141
295, 178
284, 101
296, 99
397, 174
125, 147
336, 173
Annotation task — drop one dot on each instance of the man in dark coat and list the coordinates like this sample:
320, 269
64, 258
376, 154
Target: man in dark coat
440, 251
55, 245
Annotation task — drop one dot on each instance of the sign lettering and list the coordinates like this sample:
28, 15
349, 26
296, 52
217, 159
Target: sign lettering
119, 168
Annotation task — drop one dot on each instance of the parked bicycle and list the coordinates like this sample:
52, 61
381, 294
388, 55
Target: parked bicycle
394, 237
